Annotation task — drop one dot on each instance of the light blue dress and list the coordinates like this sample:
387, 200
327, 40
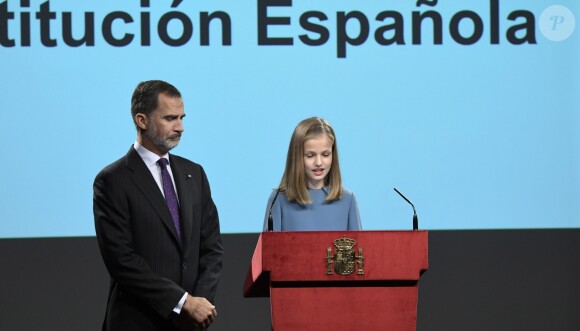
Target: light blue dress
321, 215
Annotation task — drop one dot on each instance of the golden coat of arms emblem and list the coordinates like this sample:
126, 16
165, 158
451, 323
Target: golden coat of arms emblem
345, 259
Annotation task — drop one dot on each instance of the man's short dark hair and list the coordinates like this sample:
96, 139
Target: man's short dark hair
145, 97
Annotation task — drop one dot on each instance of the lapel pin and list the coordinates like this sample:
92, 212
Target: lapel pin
188, 176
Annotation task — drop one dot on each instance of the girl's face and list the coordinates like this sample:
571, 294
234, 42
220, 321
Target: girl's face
317, 160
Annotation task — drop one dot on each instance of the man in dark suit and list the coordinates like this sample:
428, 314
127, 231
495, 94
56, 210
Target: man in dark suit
156, 225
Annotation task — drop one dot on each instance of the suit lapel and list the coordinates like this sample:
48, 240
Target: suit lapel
184, 193
144, 181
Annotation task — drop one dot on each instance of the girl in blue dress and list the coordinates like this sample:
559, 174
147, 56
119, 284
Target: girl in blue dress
310, 196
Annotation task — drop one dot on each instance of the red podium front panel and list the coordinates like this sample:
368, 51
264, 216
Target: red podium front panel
300, 273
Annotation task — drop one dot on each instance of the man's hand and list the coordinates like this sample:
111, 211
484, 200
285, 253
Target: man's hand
197, 312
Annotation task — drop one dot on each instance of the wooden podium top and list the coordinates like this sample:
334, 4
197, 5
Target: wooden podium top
302, 257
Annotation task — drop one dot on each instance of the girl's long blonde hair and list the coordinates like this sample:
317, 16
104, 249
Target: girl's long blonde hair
293, 181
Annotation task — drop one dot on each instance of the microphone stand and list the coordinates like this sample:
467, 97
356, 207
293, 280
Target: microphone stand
415, 219
270, 219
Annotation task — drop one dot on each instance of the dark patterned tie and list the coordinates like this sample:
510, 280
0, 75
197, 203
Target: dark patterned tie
170, 196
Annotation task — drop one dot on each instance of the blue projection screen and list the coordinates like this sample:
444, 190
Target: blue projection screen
470, 108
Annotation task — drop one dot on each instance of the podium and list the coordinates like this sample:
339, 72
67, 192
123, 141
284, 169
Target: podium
339, 280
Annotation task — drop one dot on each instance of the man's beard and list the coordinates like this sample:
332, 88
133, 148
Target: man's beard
163, 144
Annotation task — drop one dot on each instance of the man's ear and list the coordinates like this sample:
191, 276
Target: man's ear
141, 120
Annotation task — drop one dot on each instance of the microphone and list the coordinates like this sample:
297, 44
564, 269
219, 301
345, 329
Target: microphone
415, 220
270, 220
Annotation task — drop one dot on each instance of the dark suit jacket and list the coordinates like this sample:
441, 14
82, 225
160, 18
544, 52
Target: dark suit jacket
150, 267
